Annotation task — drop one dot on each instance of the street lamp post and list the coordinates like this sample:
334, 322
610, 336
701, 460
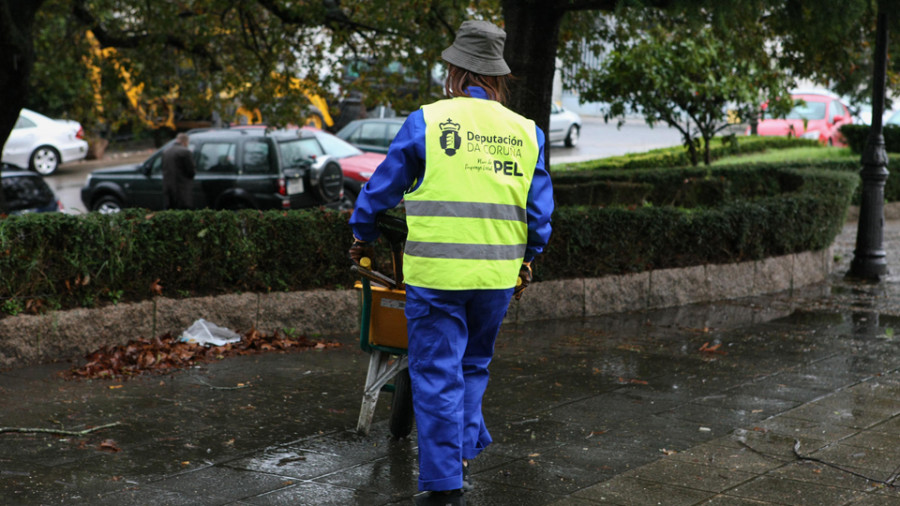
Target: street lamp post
869, 257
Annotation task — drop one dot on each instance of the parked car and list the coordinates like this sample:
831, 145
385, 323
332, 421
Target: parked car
565, 125
43, 144
816, 115
862, 115
358, 166
893, 118
26, 192
372, 134
237, 168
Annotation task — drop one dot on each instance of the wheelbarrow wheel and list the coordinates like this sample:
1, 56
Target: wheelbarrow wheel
402, 406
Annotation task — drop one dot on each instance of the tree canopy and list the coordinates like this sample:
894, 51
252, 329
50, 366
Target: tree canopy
827, 43
191, 58
681, 70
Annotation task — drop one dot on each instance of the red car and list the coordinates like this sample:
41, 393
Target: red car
816, 115
357, 165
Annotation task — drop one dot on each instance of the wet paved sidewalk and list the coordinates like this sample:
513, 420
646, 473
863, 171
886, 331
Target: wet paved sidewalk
702, 404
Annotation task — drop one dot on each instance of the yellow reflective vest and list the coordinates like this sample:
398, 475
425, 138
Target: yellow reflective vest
467, 220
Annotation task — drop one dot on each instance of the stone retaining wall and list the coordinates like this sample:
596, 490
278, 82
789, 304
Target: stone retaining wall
61, 335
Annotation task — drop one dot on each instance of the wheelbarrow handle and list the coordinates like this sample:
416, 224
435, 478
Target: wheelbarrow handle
375, 276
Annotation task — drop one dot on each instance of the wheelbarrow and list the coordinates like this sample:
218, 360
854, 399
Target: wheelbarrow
383, 334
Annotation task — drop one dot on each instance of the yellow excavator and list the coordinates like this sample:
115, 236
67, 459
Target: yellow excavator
159, 112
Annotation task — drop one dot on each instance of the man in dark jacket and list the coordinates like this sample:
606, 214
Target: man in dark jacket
178, 174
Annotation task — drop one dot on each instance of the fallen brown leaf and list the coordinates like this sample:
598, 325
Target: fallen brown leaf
110, 445
162, 354
706, 348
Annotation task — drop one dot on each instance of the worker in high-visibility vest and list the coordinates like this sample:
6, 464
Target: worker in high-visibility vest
478, 202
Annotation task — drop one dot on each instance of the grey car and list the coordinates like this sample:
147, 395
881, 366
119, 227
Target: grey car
372, 134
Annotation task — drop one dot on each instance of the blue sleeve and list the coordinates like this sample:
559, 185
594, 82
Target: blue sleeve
540, 205
402, 167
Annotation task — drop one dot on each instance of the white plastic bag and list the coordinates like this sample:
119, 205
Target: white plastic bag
204, 332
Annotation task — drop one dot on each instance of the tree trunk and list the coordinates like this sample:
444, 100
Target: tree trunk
706, 141
692, 148
16, 61
532, 35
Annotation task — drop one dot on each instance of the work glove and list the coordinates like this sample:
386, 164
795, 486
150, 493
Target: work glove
523, 281
361, 249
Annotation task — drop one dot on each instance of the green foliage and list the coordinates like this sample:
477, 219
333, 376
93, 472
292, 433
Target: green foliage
679, 69
858, 135
12, 307
834, 42
574, 175
59, 83
891, 186
811, 154
596, 192
205, 56
678, 156
808, 205
679, 217
68, 261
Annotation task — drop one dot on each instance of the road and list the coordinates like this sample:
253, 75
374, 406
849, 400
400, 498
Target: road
69, 178
598, 140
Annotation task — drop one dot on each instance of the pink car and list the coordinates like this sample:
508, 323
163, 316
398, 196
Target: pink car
819, 116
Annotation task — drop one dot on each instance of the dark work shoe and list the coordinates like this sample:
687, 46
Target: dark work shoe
446, 498
467, 481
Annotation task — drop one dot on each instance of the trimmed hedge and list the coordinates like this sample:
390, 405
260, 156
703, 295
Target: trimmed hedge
763, 212
726, 214
54, 260
563, 182
678, 156
891, 185
858, 135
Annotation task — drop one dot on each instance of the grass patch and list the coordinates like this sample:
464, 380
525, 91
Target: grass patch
799, 154
677, 156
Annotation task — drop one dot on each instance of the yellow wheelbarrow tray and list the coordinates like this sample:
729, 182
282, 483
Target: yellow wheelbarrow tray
383, 335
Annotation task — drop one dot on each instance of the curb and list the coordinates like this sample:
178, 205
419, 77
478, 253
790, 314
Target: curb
64, 335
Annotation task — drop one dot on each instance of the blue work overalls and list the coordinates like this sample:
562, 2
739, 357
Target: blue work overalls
451, 332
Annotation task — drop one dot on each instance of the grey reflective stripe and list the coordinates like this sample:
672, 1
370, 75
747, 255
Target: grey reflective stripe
466, 210
465, 251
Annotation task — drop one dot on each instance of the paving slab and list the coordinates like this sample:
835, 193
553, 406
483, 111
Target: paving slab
788, 491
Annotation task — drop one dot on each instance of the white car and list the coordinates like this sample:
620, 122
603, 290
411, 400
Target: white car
43, 144
565, 125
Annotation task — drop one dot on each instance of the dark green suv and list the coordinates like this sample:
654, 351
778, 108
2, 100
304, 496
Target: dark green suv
236, 169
